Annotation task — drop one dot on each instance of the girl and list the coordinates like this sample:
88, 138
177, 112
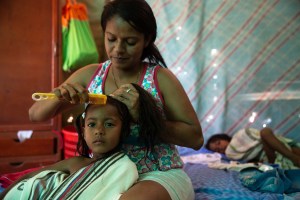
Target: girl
130, 30
108, 172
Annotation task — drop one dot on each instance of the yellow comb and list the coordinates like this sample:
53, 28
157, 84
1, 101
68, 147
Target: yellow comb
93, 98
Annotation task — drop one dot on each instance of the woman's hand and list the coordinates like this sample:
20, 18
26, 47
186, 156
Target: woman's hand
73, 93
130, 97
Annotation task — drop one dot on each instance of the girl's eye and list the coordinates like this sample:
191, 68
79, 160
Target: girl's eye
91, 125
108, 125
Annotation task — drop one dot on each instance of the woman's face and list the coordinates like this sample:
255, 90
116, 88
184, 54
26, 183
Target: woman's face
219, 146
124, 45
102, 130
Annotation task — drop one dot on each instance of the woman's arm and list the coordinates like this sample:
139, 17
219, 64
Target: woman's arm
68, 93
182, 122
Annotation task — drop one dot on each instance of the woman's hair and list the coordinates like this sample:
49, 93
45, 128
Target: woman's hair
219, 136
150, 121
82, 147
140, 16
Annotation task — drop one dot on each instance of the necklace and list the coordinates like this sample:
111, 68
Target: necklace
115, 81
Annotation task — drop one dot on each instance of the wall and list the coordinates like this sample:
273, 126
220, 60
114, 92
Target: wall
237, 60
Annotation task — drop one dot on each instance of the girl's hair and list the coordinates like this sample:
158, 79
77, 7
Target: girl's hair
82, 147
151, 122
216, 137
140, 16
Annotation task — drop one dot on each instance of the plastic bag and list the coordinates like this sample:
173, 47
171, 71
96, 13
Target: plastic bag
79, 47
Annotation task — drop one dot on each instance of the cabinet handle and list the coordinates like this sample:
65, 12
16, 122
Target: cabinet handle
17, 140
16, 164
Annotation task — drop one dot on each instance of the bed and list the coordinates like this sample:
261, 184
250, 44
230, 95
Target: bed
212, 183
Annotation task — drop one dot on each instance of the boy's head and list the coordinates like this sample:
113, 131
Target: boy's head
218, 143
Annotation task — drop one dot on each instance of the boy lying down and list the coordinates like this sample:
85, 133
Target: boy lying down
252, 145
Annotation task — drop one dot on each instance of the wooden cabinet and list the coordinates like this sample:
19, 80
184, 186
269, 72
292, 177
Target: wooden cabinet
43, 148
29, 62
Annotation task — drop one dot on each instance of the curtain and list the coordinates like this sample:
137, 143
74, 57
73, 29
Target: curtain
239, 61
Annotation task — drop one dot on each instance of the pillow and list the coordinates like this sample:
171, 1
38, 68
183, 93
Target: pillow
185, 151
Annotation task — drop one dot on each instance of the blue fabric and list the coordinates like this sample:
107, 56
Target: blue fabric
185, 151
274, 181
1, 188
225, 184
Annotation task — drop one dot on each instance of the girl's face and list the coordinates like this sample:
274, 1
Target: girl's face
124, 45
219, 146
102, 130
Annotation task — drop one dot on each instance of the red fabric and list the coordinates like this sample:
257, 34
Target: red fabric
7, 179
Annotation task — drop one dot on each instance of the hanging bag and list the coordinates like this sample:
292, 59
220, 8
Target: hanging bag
79, 47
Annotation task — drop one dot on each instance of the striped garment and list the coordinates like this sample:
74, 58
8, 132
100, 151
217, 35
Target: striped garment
245, 145
104, 179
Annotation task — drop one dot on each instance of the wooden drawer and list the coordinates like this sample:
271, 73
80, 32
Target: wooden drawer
18, 166
39, 144
43, 148
35, 146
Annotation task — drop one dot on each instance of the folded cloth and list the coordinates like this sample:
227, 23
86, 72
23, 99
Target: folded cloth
202, 158
275, 181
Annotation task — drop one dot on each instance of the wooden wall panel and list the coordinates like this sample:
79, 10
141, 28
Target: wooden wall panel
29, 59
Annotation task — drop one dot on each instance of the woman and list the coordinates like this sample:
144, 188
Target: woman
129, 28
